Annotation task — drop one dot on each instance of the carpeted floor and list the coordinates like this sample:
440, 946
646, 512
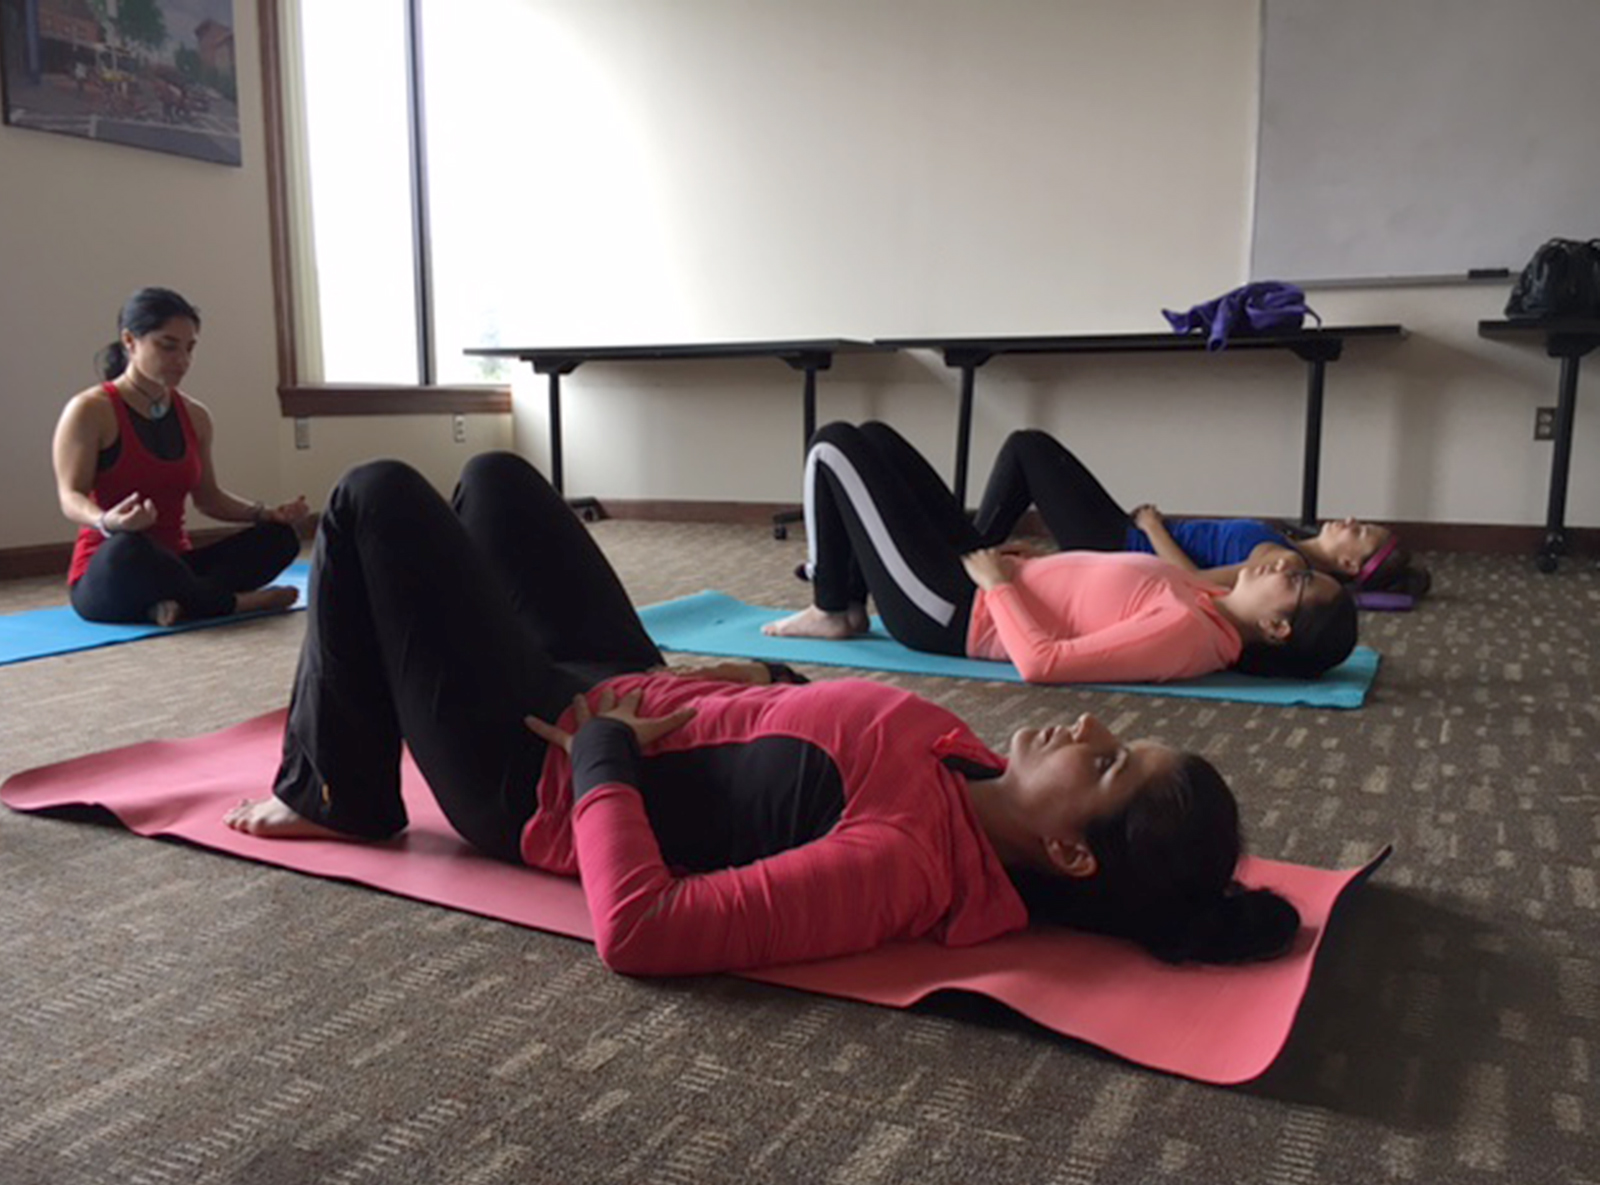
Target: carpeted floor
170, 1015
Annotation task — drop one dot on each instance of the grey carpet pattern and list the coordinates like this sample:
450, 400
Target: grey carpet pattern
171, 1015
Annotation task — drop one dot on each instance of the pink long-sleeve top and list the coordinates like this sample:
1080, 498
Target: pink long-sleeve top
1103, 617
905, 858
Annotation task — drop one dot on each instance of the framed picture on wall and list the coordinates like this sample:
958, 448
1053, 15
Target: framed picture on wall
155, 74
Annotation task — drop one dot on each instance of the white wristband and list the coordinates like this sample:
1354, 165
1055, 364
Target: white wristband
100, 525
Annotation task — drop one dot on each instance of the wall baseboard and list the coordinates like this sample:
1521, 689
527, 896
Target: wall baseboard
669, 511
1491, 539
1479, 538
43, 560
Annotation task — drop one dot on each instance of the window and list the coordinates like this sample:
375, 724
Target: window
534, 168
358, 151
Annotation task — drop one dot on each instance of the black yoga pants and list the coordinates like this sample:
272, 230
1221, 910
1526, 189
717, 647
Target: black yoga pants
1032, 468
443, 625
880, 520
130, 573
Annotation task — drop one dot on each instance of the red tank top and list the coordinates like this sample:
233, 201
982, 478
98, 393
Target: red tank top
138, 470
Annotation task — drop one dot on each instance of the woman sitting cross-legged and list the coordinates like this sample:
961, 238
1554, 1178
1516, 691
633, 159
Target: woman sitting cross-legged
719, 819
130, 454
880, 521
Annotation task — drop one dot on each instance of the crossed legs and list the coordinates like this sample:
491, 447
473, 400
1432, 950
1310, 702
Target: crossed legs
133, 579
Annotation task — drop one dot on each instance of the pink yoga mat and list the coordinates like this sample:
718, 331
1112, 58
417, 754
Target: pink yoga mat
1215, 1024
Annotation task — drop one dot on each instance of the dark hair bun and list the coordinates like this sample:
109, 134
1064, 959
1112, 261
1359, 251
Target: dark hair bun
1414, 580
1240, 926
1322, 639
112, 361
1399, 574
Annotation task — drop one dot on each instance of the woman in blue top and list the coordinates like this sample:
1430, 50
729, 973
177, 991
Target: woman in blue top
1034, 469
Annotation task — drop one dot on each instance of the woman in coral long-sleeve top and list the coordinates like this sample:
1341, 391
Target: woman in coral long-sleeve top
719, 819
879, 521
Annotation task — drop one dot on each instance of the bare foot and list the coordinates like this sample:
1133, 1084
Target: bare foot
273, 598
812, 622
272, 818
166, 613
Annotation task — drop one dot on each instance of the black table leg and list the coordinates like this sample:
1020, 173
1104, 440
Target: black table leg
1312, 472
967, 360
781, 520
588, 508
556, 478
969, 373
1555, 525
1316, 352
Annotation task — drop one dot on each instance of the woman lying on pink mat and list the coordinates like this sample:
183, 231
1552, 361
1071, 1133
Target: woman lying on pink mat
723, 819
880, 521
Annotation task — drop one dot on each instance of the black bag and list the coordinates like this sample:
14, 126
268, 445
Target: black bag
1561, 280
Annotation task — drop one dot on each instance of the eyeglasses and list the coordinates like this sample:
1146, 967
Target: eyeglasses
1304, 579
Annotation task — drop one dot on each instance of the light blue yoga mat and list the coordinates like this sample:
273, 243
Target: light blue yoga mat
715, 623
41, 633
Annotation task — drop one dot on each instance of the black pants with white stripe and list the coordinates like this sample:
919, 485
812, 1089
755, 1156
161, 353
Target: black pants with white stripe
880, 520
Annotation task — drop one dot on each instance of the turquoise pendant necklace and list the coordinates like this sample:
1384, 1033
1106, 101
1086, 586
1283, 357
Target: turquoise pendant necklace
154, 408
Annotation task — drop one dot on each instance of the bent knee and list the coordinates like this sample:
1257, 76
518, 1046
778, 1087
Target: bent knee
378, 479
497, 466
1031, 438
377, 492
501, 477
283, 542
843, 435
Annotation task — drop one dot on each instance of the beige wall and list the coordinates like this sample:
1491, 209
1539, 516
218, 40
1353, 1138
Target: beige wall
1149, 189
87, 223
83, 225
926, 167
427, 442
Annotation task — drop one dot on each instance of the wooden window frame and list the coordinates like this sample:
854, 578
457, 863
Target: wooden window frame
295, 398
362, 399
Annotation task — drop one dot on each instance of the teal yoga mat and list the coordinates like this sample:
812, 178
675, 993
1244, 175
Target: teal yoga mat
41, 633
715, 623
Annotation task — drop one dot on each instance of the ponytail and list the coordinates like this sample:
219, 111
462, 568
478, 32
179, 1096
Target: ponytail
1237, 926
112, 361
1165, 877
1396, 573
1321, 639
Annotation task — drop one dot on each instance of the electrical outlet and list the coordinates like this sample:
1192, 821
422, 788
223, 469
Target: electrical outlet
458, 428
302, 432
1544, 423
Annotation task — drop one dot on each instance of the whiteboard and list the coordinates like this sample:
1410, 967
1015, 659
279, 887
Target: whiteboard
1405, 139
